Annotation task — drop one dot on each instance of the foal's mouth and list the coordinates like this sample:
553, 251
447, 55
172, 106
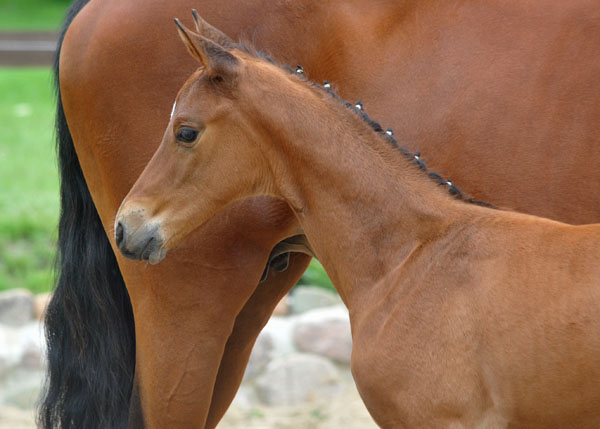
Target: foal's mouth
139, 241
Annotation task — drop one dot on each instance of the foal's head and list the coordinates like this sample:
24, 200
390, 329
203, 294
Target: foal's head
210, 154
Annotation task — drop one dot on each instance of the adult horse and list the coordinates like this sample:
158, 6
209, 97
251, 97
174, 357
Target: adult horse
461, 315
478, 89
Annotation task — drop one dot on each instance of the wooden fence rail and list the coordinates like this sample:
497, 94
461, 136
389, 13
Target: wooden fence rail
27, 49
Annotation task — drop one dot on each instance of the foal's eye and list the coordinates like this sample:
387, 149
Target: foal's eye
186, 134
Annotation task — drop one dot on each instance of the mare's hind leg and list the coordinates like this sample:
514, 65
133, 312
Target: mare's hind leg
248, 324
185, 309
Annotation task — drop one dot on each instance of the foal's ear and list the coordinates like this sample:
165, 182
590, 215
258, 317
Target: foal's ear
215, 59
206, 30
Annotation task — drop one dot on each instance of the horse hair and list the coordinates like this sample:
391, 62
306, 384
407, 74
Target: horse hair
413, 158
89, 322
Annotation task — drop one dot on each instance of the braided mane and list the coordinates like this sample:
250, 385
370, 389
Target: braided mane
357, 108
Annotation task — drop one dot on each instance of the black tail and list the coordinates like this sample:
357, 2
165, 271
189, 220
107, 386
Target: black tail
89, 323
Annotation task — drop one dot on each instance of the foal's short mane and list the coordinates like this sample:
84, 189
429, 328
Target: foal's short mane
357, 108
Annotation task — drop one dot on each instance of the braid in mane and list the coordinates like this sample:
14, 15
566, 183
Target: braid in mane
357, 108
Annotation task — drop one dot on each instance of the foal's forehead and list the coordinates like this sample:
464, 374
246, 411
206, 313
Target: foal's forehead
200, 83
193, 82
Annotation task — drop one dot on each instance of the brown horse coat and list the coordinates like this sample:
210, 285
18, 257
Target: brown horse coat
501, 97
462, 316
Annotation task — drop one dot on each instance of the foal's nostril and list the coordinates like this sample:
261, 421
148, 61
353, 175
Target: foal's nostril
119, 234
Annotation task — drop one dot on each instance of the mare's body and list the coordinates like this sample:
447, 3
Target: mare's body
502, 98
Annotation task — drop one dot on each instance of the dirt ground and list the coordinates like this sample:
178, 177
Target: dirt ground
16, 418
344, 411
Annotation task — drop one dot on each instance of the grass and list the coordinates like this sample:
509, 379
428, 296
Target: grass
28, 179
315, 275
29, 183
32, 14
28, 176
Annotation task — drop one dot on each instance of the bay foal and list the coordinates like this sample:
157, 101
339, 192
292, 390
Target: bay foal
461, 315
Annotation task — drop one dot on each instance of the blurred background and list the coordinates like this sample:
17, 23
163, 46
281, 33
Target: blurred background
305, 349
28, 198
28, 175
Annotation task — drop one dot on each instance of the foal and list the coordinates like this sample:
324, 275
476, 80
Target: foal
461, 315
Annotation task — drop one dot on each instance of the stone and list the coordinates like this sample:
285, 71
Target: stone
245, 398
282, 308
11, 351
16, 307
297, 379
325, 332
22, 388
40, 304
21, 347
21, 364
261, 355
31, 359
305, 298
280, 329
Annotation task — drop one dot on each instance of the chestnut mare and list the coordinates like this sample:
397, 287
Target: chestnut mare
501, 97
461, 315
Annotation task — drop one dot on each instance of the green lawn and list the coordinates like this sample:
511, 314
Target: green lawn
315, 275
28, 179
32, 14
29, 183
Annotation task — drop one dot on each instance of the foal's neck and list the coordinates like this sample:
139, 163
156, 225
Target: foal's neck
360, 201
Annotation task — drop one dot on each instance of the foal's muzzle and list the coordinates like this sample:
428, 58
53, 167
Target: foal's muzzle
139, 240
